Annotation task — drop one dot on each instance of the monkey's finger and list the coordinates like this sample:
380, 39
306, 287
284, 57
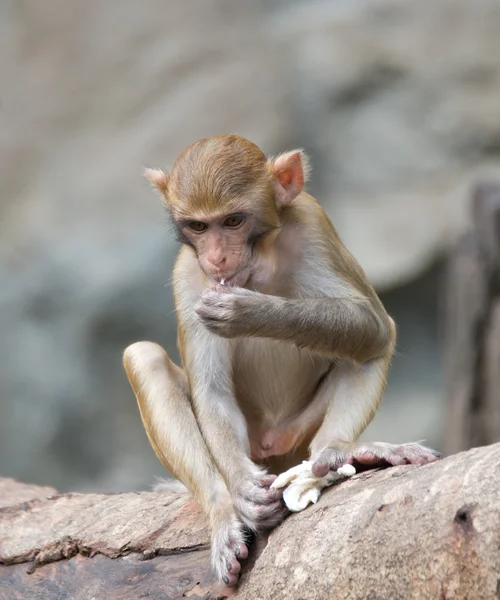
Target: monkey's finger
263, 495
213, 324
206, 312
270, 516
268, 479
269, 497
208, 319
274, 494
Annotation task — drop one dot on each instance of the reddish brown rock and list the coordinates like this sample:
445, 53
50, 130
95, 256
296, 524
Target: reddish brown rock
405, 532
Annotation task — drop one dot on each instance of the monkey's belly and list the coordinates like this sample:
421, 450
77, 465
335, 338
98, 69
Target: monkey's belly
275, 382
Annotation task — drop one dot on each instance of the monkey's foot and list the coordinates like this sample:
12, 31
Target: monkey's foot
303, 487
228, 549
258, 504
372, 454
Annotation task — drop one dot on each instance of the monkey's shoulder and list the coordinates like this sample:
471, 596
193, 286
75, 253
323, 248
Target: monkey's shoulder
308, 215
326, 253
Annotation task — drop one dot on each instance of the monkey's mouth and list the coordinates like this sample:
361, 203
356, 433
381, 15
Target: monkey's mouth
236, 280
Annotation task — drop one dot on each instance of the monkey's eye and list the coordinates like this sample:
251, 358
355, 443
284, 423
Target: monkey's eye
197, 226
234, 221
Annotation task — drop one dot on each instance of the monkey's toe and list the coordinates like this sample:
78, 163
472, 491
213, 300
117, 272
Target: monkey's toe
234, 567
320, 469
397, 460
228, 549
383, 454
330, 459
242, 551
230, 580
413, 454
369, 455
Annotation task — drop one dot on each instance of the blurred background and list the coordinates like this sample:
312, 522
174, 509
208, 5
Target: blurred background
397, 103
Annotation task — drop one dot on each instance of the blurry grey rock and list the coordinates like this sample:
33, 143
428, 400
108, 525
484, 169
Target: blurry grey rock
399, 104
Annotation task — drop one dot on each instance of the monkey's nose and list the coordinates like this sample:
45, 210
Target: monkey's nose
217, 261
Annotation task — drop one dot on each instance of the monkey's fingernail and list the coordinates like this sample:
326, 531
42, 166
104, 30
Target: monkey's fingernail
225, 579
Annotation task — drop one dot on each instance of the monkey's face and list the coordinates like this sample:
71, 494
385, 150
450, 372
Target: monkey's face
225, 198
224, 244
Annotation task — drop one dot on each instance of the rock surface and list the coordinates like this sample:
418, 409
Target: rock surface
404, 532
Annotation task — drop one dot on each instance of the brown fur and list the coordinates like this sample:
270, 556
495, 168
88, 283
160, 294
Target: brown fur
287, 360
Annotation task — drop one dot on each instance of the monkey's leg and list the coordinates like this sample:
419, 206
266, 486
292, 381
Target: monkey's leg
163, 395
356, 391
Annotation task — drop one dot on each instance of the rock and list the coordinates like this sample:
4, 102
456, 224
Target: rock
404, 532
13, 492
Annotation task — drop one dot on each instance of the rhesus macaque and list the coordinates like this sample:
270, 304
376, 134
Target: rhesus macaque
285, 344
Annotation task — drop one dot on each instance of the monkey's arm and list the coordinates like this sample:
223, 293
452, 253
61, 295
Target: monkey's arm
354, 327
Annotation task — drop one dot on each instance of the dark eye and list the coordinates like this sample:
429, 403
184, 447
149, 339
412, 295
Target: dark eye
197, 226
234, 221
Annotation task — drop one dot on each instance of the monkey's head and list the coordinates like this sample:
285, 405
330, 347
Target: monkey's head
225, 198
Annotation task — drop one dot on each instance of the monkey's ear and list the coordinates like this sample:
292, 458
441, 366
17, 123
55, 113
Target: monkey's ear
158, 179
290, 171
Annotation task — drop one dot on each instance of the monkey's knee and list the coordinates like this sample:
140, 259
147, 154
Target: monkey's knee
146, 362
143, 351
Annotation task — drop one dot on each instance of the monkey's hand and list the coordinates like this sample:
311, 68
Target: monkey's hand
302, 487
374, 454
258, 504
230, 314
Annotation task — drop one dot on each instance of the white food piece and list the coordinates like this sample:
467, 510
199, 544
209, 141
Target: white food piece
285, 478
347, 470
297, 498
222, 281
302, 488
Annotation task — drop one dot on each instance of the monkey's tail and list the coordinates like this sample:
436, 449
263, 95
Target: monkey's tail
170, 485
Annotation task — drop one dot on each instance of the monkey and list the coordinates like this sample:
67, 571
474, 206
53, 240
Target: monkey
285, 345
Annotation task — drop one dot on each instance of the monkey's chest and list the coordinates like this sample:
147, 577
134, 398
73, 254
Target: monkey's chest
275, 381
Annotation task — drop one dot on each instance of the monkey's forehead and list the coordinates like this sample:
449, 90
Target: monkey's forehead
218, 177
206, 207
207, 193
